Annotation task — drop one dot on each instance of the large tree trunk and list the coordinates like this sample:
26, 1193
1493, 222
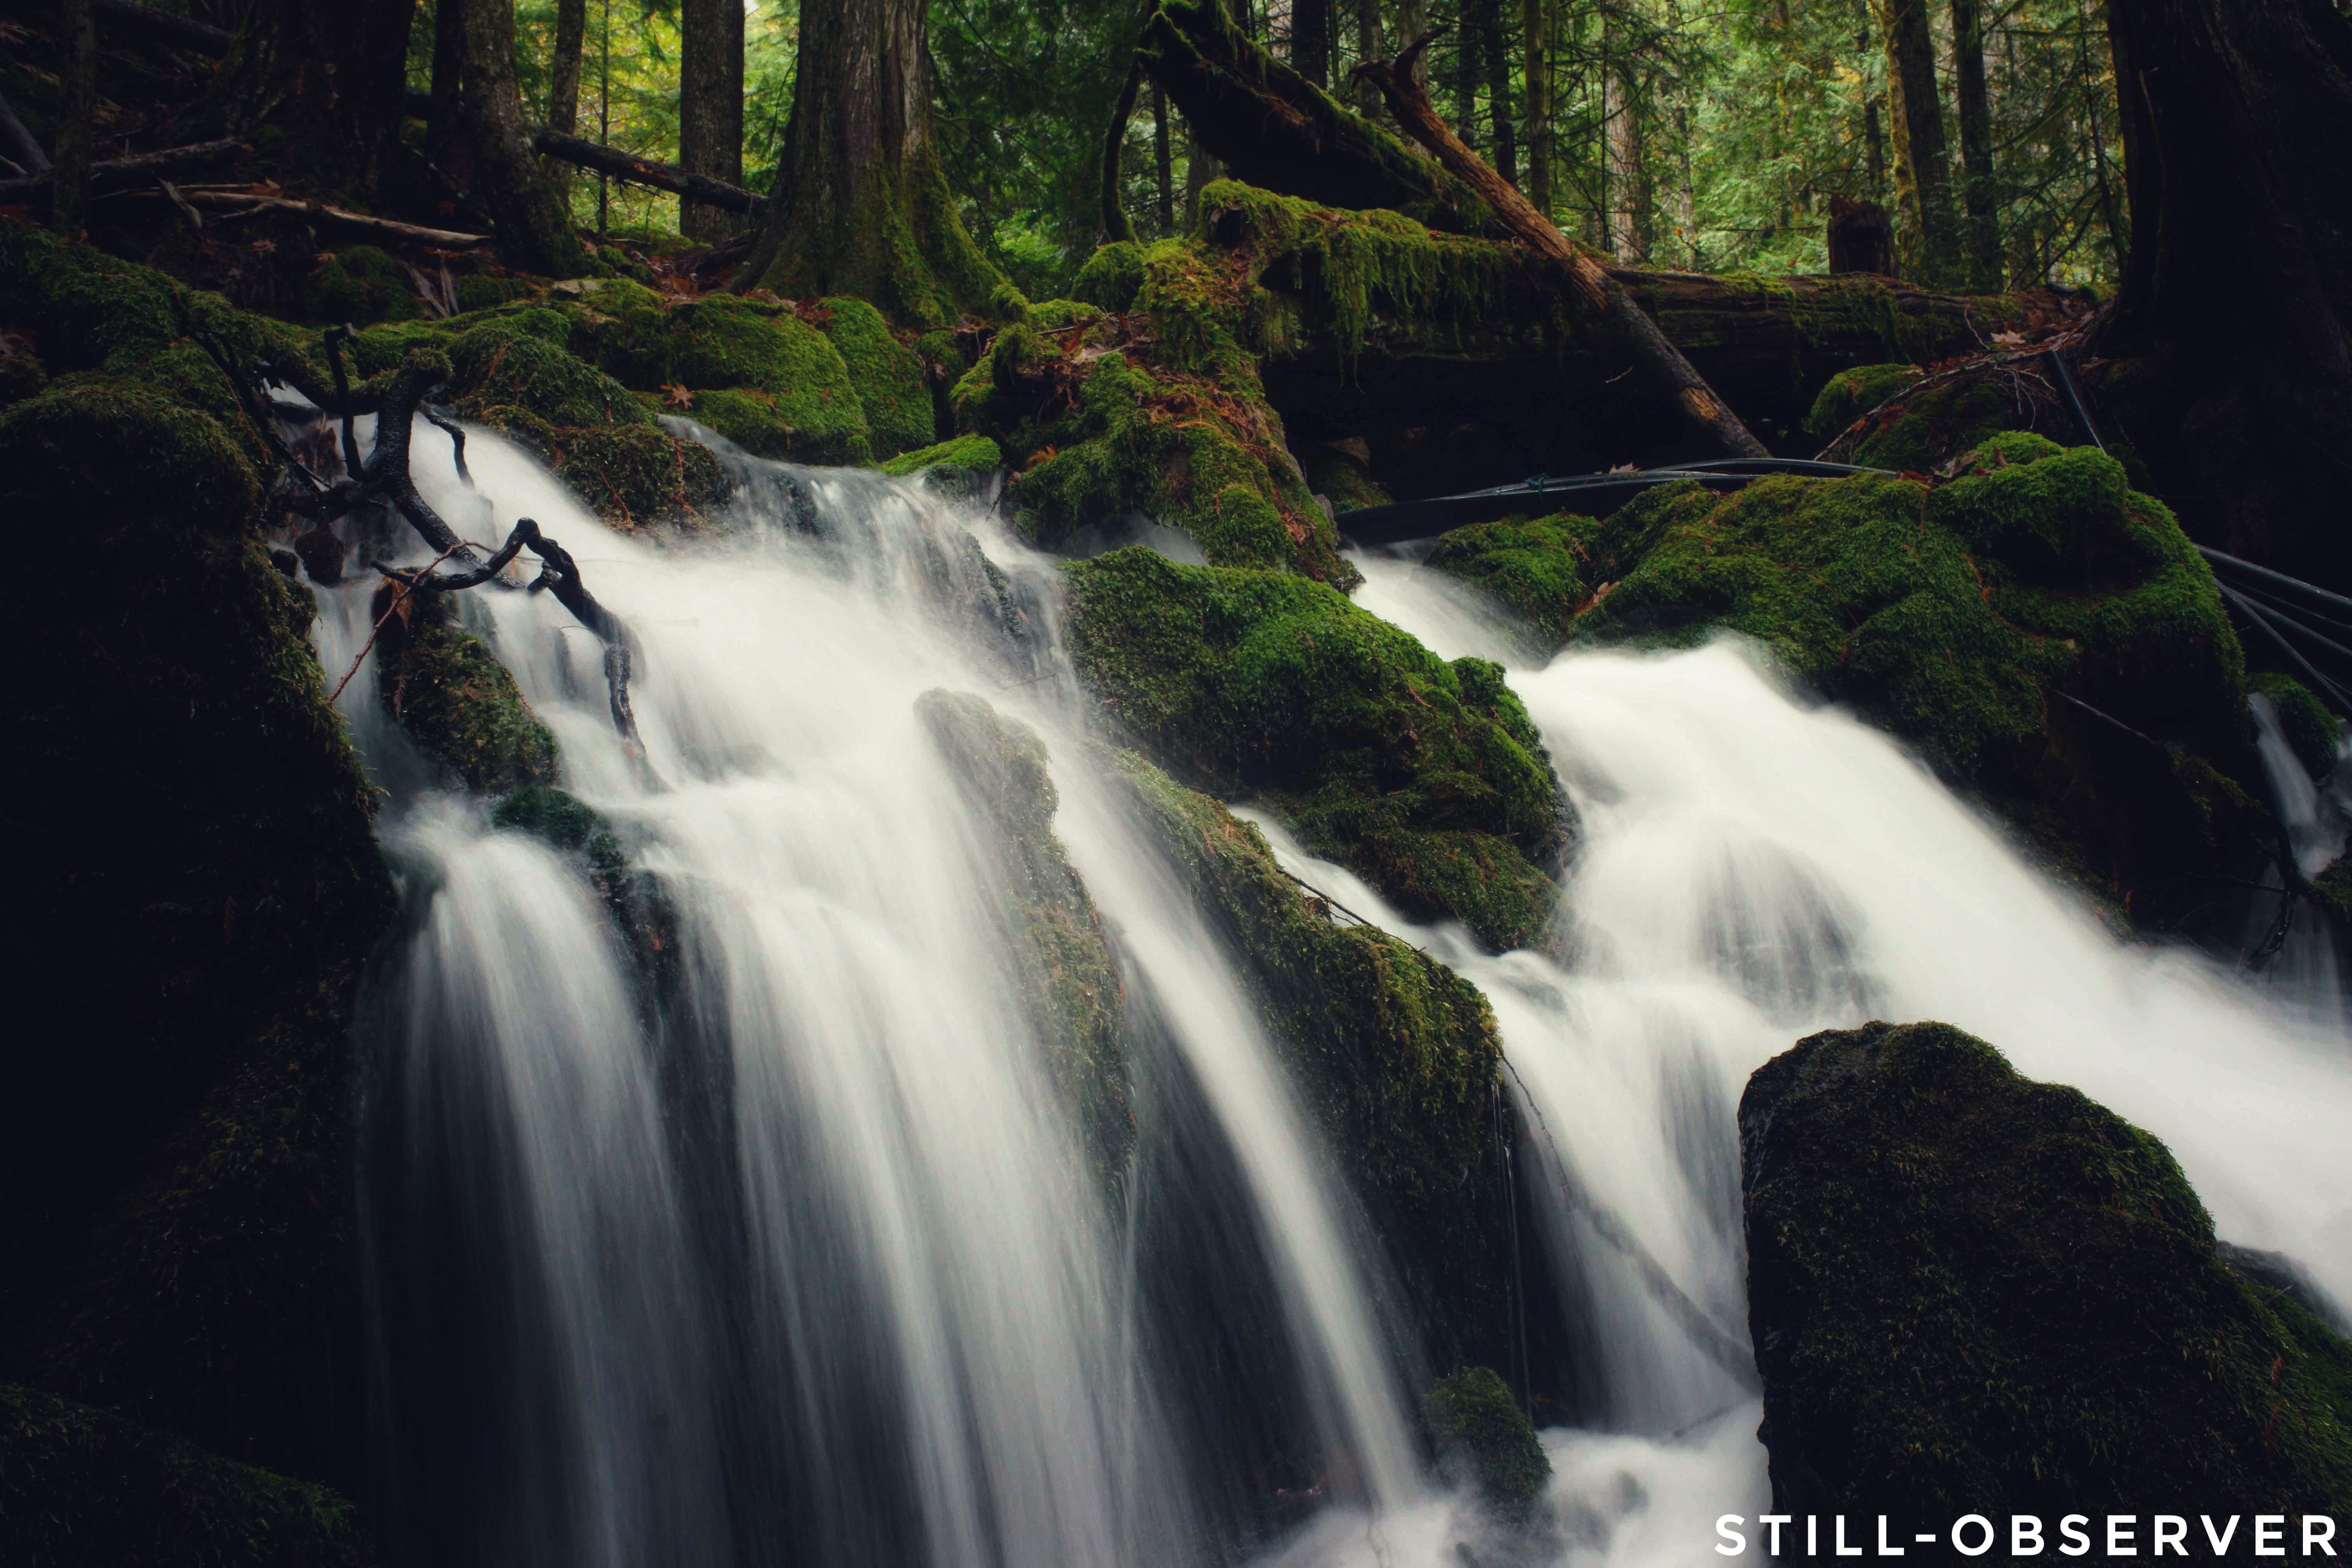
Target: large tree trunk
563, 80
330, 78
534, 231
861, 205
710, 106
1535, 21
444, 123
1929, 230
1310, 40
2229, 349
1629, 166
1367, 48
76, 127
1978, 193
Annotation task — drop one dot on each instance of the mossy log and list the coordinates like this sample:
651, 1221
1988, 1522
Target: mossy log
1975, 1293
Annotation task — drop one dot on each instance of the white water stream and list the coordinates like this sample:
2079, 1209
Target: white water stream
800, 1260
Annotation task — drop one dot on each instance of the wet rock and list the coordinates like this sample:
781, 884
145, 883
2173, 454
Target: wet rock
1484, 1439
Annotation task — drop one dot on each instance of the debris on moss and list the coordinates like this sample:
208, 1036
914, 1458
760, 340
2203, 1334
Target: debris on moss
1851, 393
1484, 1439
1425, 776
1395, 1056
1973, 1292
457, 701
640, 476
86, 1487
885, 375
1072, 979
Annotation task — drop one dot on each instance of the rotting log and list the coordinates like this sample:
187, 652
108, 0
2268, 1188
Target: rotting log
119, 174
655, 175
1598, 296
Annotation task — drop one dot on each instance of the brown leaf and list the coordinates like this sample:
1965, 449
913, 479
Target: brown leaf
676, 395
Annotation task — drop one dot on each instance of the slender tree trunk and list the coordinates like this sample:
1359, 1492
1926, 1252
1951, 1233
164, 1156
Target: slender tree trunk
77, 120
1163, 161
1929, 232
1685, 199
1495, 46
1874, 138
1310, 40
710, 106
328, 80
1979, 194
2228, 351
861, 205
1535, 21
1466, 72
444, 123
534, 231
1367, 48
1628, 169
564, 81
1200, 169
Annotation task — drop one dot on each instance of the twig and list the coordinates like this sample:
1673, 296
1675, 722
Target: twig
408, 586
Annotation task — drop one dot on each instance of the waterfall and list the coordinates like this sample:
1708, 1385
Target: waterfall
791, 1251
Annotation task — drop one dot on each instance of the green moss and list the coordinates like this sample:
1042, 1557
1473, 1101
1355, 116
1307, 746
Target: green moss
1483, 1439
639, 907
1394, 1056
1111, 276
180, 1178
760, 377
479, 291
1533, 569
84, 1487
1338, 473
639, 476
2310, 728
359, 285
1975, 1292
459, 705
1426, 777
1072, 978
885, 375
1851, 393
21, 376
975, 453
519, 362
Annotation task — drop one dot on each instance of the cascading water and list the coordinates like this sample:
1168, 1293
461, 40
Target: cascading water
789, 1250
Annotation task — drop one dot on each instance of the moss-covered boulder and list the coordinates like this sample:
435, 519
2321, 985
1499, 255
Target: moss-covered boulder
1045, 913
1975, 1293
2312, 731
638, 476
885, 373
1851, 393
359, 285
641, 910
1424, 776
521, 362
195, 884
1395, 1056
85, 1488
1899, 417
2041, 631
454, 699
1341, 473
1484, 1439
975, 455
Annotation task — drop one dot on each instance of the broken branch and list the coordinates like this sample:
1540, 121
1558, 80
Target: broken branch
659, 176
116, 174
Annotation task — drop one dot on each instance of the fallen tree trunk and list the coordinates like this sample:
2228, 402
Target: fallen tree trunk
585, 154
117, 174
1272, 127
1598, 294
363, 223
161, 26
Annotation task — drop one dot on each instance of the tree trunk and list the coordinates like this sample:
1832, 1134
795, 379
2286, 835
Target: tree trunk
330, 78
534, 231
1367, 48
1597, 295
563, 80
2229, 349
709, 106
1492, 43
1535, 21
861, 205
77, 120
1310, 40
1200, 168
1629, 168
1928, 234
1115, 224
1163, 161
444, 123
1685, 199
1979, 195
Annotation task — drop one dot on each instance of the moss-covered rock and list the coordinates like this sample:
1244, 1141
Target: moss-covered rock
175, 1134
21, 375
2042, 632
1484, 1439
1426, 777
974, 454
85, 1487
638, 476
640, 909
359, 285
1341, 473
1046, 913
1851, 393
2310, 728
885, 375
1395, 1056
1532, 567
521, 362
1975, 1293
455, 700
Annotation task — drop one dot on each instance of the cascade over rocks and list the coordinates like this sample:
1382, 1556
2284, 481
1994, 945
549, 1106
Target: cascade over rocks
1975, 1293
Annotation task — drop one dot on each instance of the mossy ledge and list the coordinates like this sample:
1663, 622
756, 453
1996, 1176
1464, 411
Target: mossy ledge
1426, 777
1483, 1439
1396, 1057
1974, 1292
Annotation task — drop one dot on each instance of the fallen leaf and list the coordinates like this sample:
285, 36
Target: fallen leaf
677, 396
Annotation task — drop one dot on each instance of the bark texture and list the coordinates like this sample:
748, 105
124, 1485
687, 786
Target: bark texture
331, 78
1979, 196
444, 123
1310, 40
861, 205
1929, 236
563, 78
534, 231
709, 106
1535, 21
69, 206
2229, 350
